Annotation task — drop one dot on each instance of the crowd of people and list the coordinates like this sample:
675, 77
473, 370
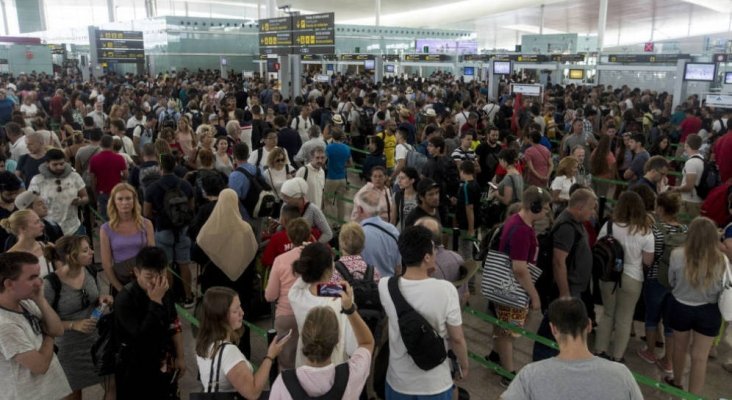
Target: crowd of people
188, 175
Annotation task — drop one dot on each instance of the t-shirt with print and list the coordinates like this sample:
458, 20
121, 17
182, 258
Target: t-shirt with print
230, 358
390, 145
18, 336
556, 379
316, 381
518, 240
468, 194
659, 243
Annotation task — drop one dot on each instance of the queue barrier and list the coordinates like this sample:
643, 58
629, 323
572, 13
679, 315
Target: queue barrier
641, 379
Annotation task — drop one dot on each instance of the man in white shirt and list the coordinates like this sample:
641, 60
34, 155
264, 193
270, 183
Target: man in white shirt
692, 173
137, 119
28, 326
117, 128
316, 141
16, 139
314, 175
437, 301
302, 123
98, 115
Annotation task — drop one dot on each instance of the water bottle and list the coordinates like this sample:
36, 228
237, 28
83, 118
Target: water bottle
99, 311
618, 264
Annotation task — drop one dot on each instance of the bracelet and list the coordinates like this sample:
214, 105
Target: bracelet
71, 326
269, 358
350, 310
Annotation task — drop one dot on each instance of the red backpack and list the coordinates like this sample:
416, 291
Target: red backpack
715, 204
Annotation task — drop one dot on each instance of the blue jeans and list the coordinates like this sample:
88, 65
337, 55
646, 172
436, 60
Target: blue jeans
102, 200
655, 297
391, 394
179, 246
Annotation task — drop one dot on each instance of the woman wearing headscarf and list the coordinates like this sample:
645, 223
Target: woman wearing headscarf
230, 246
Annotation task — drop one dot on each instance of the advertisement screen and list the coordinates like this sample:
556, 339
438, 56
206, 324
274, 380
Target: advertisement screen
468, 71
702, 72
369, 64
576, 74
502, 67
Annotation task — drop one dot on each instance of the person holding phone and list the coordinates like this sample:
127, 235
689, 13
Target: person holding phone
220, 326
320, 335
315, 267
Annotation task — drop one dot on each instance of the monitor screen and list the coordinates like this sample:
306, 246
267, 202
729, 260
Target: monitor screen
576, 74
369, 64
468, 71
702, 72
389, 68
502, 67
728, 77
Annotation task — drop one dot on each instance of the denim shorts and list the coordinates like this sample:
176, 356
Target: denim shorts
655, 297
391, 394
705, 319
166, 240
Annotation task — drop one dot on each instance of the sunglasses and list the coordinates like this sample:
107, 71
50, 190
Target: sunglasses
280, 160
34, 321
84, 298
58, 187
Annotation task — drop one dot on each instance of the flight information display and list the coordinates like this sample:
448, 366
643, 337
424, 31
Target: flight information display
120, 46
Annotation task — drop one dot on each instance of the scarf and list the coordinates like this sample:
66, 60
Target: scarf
226, 238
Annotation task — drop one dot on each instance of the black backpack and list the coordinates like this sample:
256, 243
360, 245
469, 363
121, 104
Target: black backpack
709, 179
168, 120
176, 207
260, 200
365, 122
342, 372
196, 119
608, 257
365, 293
423, 343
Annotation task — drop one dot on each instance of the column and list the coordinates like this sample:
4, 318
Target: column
111, 11
541, 20
601, 24
31, 17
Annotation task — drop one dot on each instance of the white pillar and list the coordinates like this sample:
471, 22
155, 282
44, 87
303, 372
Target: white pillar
541, 21
601, 24
110, 10
377, 13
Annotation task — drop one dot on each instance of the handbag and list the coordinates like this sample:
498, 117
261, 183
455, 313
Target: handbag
725, 297
499, 283
212, 389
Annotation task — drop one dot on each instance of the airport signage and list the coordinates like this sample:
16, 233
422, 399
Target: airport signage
299, 34
120, 46
427, 57
527, 90
719, 100
646, 58
357, 57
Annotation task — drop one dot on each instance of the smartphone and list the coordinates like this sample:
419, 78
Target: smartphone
330, 289
287, 334
492, 185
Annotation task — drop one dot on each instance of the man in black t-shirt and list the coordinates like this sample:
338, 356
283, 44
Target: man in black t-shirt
428, 197
487, 153
468, 208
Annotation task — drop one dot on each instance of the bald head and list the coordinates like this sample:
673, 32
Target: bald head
433, 225
581, 197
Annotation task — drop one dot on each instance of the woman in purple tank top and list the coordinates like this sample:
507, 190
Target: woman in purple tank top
123, 235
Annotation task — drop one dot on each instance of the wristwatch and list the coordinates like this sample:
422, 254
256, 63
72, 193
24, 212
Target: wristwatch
350, 310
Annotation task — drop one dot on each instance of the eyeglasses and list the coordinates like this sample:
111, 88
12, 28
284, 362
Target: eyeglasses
280, 160
58, 187
84, 298
34, 321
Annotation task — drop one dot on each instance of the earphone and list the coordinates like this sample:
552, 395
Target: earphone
537, 205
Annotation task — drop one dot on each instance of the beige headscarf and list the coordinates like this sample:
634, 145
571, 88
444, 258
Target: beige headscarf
226, 238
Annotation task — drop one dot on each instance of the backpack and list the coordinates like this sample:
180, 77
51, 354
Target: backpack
366, 295
423, 343
715, 205
148, 176
709, 178
326, 117
608, 257
260, 200
545, 285
196, 119
168, 120
365, 122
415, 159
55, 283
260, 154
105, 351
296, 391
722, 128
670, 242
176, 207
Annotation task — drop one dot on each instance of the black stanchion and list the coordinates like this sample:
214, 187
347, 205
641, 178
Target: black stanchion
602, 205
275, 370
455, 238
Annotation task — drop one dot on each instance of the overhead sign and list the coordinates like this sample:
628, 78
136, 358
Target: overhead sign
299, 34
391, 57
322, 78
526, 89
719, 100
357, 57
526, 58
427, 57
568, 57
120, 46
722, 58
477, 57
647, 58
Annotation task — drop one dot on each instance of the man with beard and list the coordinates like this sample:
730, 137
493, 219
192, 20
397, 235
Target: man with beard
10, 188
314, 175
487, 152
63, 190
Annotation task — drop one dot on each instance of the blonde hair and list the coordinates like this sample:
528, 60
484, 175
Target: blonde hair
566, 164
16, 221
112, 207
320, 334
277, 151
352, 238
704, 260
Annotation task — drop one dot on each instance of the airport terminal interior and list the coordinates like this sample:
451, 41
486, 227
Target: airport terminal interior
447, 119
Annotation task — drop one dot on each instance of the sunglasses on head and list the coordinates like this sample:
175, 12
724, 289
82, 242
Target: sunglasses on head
58, 185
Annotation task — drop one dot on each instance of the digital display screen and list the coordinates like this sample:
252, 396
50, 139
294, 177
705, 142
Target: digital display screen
502, 67
468, 71
389, 68
702, 72
576, 74
369, 64
728, 77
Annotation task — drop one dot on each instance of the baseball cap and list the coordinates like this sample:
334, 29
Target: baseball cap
425, 185
25, 200
295, 187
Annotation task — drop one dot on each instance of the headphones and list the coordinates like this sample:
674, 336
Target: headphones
537, 205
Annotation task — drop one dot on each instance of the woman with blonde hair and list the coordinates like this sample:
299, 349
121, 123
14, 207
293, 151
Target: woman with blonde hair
632, 228
221, 325
185, 137
122, 237
695, 274
277, 172
26, 225
565, 178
